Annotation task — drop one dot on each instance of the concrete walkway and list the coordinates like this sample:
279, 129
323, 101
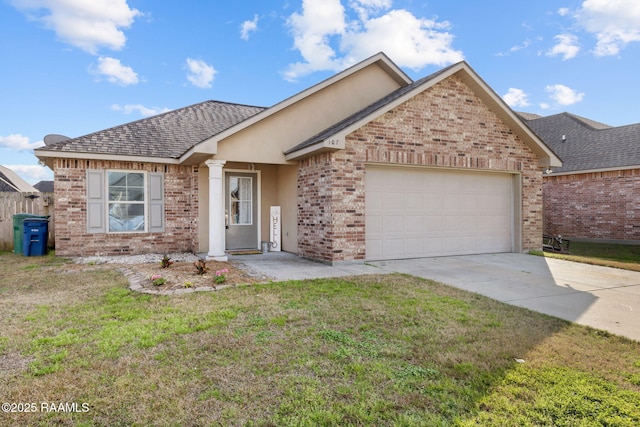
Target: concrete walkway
600, 297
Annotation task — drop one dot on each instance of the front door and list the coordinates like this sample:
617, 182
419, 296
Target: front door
241, 210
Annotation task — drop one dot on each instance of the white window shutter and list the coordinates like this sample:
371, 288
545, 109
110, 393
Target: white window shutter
95, 202
156, 202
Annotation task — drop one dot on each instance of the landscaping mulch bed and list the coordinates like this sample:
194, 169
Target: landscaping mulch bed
183, 275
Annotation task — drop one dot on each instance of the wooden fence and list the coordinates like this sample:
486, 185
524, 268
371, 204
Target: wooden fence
23, 203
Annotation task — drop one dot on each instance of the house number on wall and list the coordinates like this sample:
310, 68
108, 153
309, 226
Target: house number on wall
333, 142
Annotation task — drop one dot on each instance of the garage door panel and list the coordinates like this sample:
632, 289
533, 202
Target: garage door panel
414, 202
489, 245
433, 225
393, 224
374, 200
415, 223
414, 247
393, 248
375, 224
432, 244
391, 201
470, 202
451, 203
468, 224
374, 248
434, 204
426, 212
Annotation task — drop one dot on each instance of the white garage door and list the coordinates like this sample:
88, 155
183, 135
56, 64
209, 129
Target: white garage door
413, 213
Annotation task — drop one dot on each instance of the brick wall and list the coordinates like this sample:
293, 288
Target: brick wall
446, 126
598, 205
180, 202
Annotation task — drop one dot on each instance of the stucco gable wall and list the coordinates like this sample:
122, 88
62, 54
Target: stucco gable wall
267, 140
445, 126
180, 203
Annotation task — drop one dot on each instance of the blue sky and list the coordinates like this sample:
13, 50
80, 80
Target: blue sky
74, 67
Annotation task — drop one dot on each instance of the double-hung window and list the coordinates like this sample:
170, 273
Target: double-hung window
124, 201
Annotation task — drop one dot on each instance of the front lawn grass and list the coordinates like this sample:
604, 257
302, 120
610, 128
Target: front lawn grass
369, 350
605, 254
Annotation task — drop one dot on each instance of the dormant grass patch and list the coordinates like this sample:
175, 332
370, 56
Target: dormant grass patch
369, 350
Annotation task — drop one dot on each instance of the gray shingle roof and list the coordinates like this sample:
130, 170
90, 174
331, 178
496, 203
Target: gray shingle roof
528, 116
167, 135
588, 144
44, 186
5, 184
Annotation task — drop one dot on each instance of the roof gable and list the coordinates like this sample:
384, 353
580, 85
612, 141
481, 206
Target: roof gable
11, 182
317, 107
339, 131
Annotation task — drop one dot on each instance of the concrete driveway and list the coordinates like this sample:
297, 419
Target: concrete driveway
600, 297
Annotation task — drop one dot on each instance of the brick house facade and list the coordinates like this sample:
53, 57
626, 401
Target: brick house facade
181, 208
595, 195
191, 179
446, 126
596, 205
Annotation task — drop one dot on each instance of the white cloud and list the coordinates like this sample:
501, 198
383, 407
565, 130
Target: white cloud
563, 95
200, 73
409, 41
248, 27
365, 7
329, 39
18, 142
567, 46
141, 109
87, 25
516, 48
563, 11
115, 72
319, 20
32, 173
615, 23
516, 98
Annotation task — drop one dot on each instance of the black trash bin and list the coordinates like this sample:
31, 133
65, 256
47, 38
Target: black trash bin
36, 232
18, 230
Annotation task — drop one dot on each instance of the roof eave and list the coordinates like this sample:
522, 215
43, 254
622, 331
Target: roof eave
47, 157
200, 152
325, 146
596, 170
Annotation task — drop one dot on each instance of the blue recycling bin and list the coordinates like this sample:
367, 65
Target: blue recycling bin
18, 230
35, 237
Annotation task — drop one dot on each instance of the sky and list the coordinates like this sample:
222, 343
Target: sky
74, 67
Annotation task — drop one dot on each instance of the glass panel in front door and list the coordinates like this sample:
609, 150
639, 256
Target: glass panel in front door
240, 200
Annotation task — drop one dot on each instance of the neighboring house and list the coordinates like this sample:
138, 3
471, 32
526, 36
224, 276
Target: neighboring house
366, 165
11, 182
44, 186
596, 193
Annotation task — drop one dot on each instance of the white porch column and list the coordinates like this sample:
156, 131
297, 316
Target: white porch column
216, 211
